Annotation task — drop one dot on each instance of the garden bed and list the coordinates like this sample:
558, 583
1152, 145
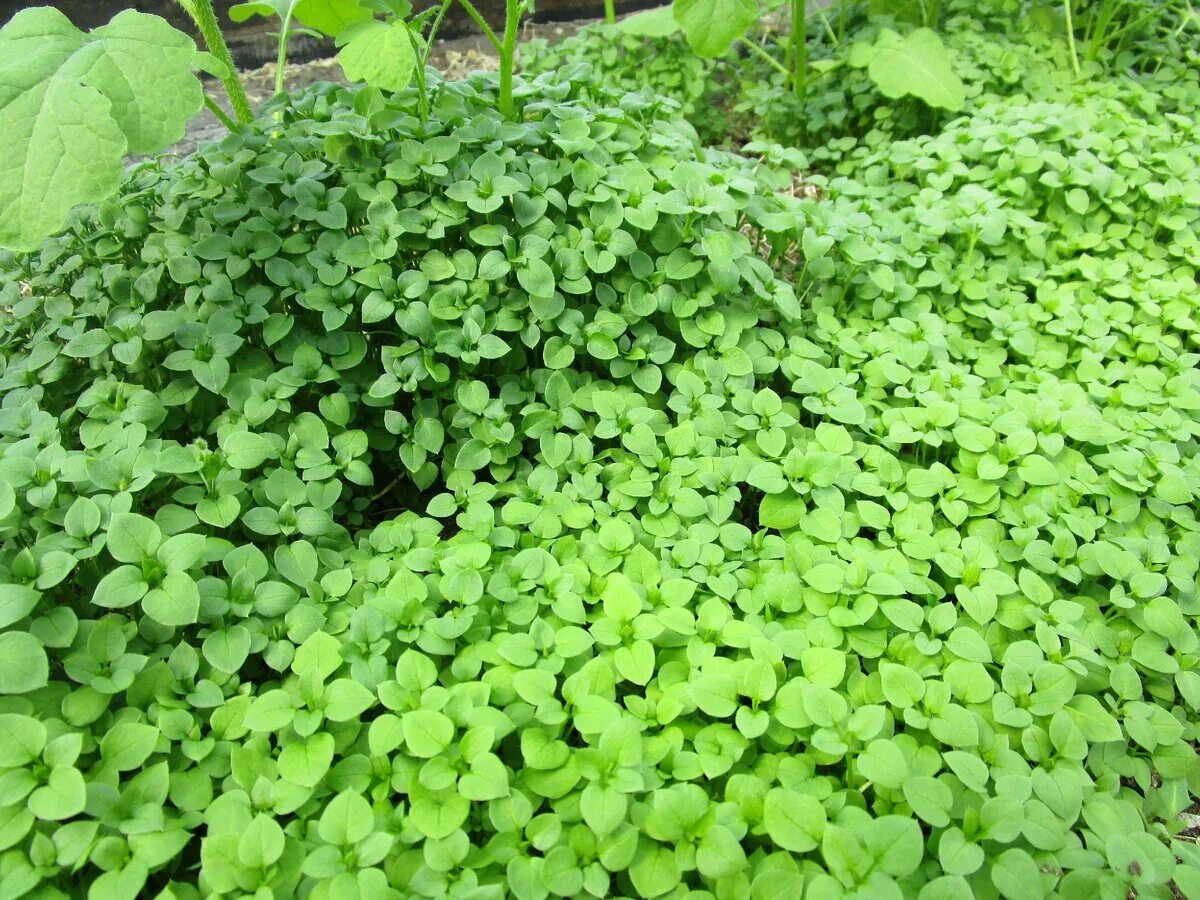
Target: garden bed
728, 458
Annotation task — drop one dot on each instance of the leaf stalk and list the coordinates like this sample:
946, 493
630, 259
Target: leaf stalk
201, 12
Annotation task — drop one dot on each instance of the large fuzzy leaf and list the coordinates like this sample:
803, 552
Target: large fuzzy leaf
917, 64
658, 22
379, 53
711, 26
327, 16
72, 104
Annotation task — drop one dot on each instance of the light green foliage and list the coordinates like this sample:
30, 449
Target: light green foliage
575, 512
72, 104
634, 58
711, 26
658, 22
915, 64
329, 17
379, 53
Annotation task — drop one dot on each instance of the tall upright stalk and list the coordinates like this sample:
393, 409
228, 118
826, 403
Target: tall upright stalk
799, 49
506, 47
201, 12
422, 49
281, 60
508, 54
1071, 36
610, 11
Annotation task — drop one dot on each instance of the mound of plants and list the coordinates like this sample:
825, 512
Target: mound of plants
483, 490
331, 492
627, 59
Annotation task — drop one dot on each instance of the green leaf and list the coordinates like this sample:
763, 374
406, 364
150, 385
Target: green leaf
1016, 876
719, 853
603, 808
24, 666
883, 763
121, 587
271, 711
73, 104
320, 653
132, 538
917, 65
957, 855
385, 734
347, 819
427, 732
379, 53
826, 577
331, 16
902, 686
83, 518
16, 602
346, 699
654, 870
226, 650
714, 693
261, 844
63, 796
176, 603
794, 820
824, 666
659, 22
247, 450
24, 739
305, 763
711, 26
126, 746
930, 799
486, 780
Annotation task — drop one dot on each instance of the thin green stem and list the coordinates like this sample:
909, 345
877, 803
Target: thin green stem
1071, 35
767, 58
829, 28
285, 29
202, 14
222, 116
610, 11
1130, 26
424, 56
433, 30
422, 97
482, 23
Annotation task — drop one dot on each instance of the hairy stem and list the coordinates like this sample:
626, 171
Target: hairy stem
422, 96
433, 30
508, 53
202, 14
482, 23
222, 116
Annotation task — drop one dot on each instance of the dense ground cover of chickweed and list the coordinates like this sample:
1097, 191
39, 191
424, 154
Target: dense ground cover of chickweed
551, 507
